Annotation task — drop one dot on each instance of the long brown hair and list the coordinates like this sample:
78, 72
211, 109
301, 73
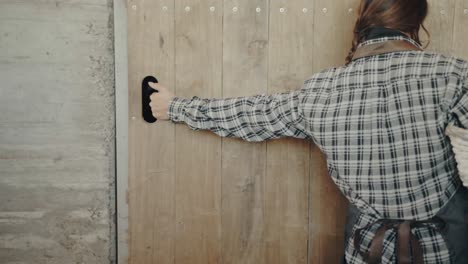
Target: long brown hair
404, 15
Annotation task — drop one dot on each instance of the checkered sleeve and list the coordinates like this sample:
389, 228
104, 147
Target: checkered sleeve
460, 103
253, 118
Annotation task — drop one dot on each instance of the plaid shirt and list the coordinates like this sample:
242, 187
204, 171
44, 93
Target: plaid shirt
380, 121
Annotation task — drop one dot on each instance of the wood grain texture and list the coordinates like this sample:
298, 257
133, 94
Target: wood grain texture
333, 26
440, 26
197, 198
460, 32
286, 183
151, 147
245, 71
198, 153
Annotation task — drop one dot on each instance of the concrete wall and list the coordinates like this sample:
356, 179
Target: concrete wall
56, 131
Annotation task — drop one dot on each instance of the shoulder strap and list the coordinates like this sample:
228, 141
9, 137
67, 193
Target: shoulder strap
384, 47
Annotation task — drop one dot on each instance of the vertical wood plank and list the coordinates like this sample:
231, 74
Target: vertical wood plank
333, 33
460, 32
198, 153
151, 146
121, 127
440, 25
245, 68
196, 198
287, 178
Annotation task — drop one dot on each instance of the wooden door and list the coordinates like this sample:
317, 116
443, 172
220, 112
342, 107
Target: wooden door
194, 197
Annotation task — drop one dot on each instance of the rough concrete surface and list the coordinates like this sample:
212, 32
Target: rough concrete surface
56, 132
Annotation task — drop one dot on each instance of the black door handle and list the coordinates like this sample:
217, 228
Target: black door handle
146, 92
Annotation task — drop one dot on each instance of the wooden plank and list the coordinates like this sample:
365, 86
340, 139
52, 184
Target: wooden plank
121, 108
209, 209
440, 25
245, 70
151, 146
287, 178
333, 33
198, 153
460, 32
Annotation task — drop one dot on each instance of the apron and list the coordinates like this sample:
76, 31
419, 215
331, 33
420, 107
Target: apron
453, 217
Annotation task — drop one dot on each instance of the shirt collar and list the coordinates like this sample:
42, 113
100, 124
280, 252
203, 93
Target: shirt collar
382, 39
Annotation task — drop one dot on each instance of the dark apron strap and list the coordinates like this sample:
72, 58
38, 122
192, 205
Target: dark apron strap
406, 243
454, 230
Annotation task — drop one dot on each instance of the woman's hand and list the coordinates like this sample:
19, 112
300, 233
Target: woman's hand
160, 101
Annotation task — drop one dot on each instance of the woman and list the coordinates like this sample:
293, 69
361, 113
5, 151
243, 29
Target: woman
380, 120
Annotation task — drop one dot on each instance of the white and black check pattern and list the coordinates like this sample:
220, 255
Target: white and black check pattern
380, 121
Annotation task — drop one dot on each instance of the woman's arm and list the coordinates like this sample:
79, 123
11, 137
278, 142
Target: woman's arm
459, 105
459, 141
253, 118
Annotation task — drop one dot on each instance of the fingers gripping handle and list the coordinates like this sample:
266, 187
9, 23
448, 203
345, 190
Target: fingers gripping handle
146, 92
